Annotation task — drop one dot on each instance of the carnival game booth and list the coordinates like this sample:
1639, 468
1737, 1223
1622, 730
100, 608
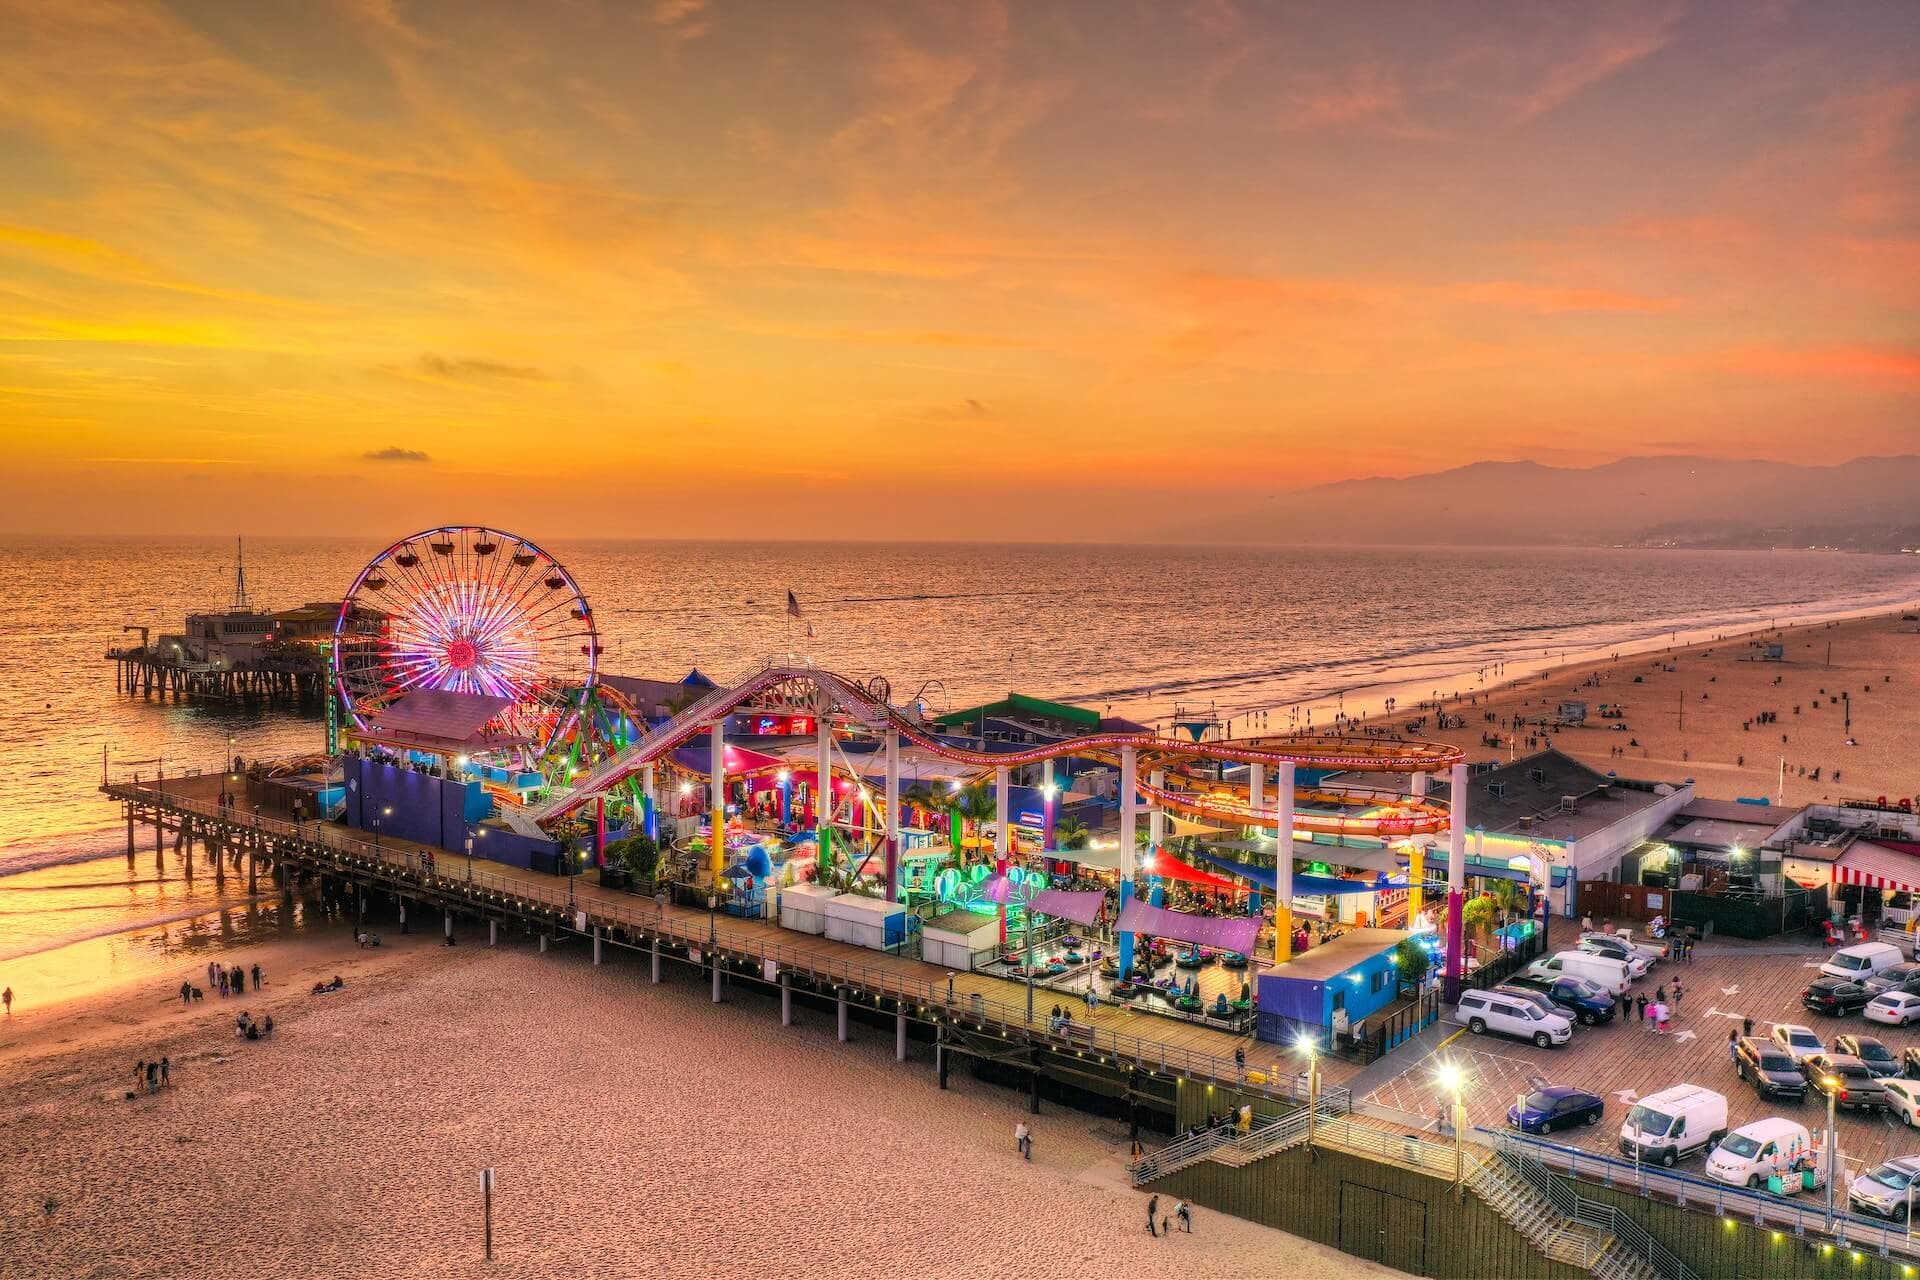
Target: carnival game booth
960, 939
874, 923
1327, 994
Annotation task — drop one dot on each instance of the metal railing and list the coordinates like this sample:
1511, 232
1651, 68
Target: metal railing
1405, 1149
454, 876
1574, 1207
1263, 1138
1761, 1208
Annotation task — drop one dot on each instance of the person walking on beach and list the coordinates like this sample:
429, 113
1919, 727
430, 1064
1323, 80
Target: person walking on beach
6, 998
221, 983
213, 976
153, 1077
186, 992
1185, 1215
166, 1071
1020, 1136
1153, 1216
256, 975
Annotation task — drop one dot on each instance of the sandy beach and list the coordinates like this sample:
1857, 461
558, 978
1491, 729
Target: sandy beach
635, 1130
1694, 712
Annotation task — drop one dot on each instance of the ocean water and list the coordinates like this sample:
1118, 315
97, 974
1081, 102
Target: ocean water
1130, 630
1135, 630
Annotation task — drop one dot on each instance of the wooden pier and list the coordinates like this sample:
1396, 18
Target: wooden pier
1145, 1065
146, 673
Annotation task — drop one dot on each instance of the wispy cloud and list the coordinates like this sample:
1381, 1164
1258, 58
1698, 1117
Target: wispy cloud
394, 453
475, 370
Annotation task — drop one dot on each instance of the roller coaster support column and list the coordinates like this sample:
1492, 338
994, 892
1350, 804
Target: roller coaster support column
1002, 833
893, 815
652, 798
717, 772
1157, 817
1456, 882
1283, 864
1046, 804
1256, 786
823, 791
1416, 862
1129, 808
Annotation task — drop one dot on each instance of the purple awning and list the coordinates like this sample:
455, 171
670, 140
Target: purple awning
1227, 933
1081, 908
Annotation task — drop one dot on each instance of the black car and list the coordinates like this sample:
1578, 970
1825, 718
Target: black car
1766, 1067
1835, 996
1904, 976
1556, 1106
1577, 999
1877, 1056
1854, 1087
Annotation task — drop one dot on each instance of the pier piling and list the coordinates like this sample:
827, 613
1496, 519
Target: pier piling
493, 933
940, 1052
543, 944
596, 943
656, 962
786, 1001
900, 1035
840, 998
450, 926
715, 961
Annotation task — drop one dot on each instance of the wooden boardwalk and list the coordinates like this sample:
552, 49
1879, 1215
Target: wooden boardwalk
1153, 1042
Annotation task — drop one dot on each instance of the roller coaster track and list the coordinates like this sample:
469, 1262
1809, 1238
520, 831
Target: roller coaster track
1404, 817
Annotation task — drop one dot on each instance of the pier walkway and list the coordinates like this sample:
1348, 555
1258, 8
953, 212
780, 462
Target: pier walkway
1111, 1036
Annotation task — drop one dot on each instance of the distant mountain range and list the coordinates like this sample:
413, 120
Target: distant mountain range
1868, 504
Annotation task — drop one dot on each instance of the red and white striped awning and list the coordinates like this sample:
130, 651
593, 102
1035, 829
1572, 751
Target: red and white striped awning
1873, 867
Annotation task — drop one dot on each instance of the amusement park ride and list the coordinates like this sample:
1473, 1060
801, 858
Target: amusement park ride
485, 658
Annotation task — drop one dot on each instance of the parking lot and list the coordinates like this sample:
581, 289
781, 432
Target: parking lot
1725, 981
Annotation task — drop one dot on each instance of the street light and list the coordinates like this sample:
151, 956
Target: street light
1308, 1046
1831, 1086
1451, 1078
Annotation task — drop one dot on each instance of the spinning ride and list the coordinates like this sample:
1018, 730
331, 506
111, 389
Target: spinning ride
469, 611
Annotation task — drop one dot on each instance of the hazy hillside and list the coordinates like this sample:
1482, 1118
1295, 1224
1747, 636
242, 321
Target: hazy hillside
1866, 504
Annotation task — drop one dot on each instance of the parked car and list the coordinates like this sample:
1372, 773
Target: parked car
1797, 1040
1835, 997
1879, 1059
1770, 1069
1895, 1008
1605, 972
1486, 1011
1903, 977
1903, 1100
1602, 944
1673, 1124
1862, 961
1575, 997
1750, 1153
1885, 1191
1556, 1106
1854, 1087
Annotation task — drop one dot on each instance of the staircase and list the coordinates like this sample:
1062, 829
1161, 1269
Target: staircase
1618, 1262
1222, 1146
1534, 1216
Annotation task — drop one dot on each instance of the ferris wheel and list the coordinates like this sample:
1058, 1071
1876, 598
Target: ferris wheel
467, 610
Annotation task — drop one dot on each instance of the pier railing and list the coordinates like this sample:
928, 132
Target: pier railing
583, 908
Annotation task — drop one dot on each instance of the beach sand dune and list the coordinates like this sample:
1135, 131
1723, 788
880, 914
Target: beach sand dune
636, 1131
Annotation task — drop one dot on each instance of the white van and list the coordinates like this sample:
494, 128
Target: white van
1863, 961
1673, 1124
1750, 1154
1485, 1011
1609, 975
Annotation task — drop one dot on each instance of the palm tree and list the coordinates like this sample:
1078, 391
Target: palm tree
976, 804
1070, 833
920, 796
1506, 899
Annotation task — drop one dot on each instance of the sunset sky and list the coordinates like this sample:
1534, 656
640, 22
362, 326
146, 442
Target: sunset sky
1049, 270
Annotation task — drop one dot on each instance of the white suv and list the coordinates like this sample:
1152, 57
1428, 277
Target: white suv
1485, 1011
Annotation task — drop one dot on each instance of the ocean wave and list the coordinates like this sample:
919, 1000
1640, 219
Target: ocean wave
135, 925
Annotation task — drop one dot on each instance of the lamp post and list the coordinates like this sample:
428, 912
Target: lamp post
1306, 1045
1453, 1080
1831, 1086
